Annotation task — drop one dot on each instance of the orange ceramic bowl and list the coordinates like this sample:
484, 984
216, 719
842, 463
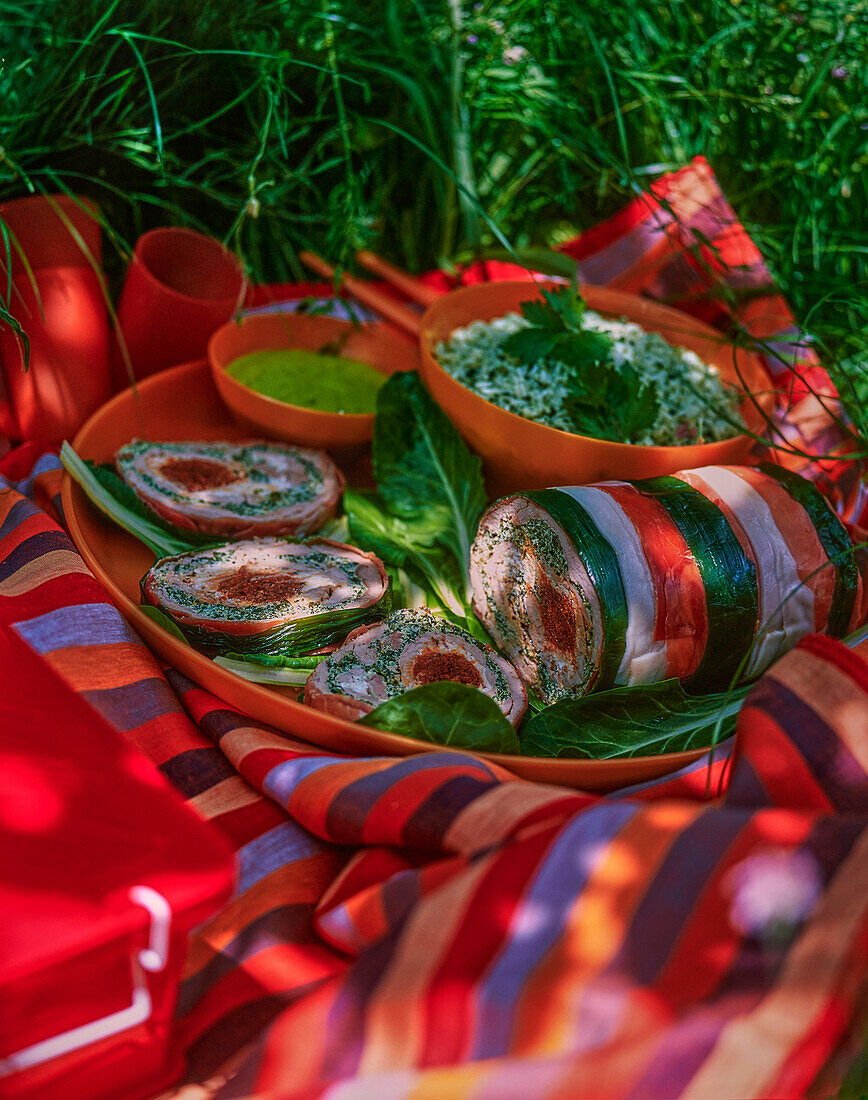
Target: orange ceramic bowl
373, 344
522, 454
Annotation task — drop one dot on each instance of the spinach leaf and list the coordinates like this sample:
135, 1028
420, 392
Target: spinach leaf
403, 546
632, 721
425, 475
391, 538
447, 713
403, 543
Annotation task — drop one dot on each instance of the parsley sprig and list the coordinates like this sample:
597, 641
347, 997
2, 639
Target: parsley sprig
604, 400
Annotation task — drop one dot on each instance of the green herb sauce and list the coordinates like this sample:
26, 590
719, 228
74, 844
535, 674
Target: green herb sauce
328, 383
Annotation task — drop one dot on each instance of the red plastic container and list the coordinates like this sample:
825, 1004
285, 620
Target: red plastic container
180, 287
103, 872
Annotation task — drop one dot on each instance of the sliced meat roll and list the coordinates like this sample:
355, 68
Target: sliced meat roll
270, 595
234, 490
407, 650
680, 614
706, 575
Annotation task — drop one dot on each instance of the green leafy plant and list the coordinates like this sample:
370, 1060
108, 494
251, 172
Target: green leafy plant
425, 130
430, 493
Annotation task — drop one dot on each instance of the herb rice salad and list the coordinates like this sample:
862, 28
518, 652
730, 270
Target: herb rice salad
570, 368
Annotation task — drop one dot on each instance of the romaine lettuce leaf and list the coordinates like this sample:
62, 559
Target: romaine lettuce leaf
426, 477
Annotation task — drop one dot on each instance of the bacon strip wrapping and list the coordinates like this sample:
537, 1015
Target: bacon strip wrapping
407, 650
269, 596
233, 490
705, 576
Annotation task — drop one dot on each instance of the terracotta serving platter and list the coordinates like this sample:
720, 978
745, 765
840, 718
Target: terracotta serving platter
182, 403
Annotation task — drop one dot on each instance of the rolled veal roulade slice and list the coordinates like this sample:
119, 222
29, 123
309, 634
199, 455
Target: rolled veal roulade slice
407, 650
271, 595
233, 490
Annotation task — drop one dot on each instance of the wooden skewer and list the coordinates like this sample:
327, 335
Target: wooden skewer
404, 317
407, 284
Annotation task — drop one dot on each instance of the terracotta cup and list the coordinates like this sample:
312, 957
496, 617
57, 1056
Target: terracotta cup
180, 287
59, 298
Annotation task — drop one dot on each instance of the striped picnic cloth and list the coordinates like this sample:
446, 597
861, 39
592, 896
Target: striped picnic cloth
433, 927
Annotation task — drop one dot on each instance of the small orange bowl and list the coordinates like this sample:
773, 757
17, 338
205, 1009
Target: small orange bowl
373, 344
523, 454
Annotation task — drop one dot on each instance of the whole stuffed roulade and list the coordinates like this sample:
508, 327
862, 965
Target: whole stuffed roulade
685, 576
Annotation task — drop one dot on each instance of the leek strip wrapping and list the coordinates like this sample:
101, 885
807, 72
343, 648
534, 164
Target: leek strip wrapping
836, 542
729, 578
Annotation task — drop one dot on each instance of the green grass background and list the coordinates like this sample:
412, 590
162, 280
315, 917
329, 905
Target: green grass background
431, 130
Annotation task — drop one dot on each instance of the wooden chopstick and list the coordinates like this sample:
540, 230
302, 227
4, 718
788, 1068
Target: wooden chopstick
400, 280
400, 315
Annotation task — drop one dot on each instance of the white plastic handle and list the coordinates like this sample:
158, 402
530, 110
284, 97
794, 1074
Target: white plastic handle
152, 958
